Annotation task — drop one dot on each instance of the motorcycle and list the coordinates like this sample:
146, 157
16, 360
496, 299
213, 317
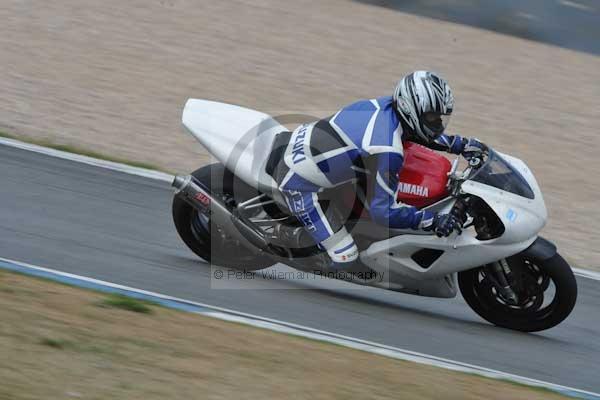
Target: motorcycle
232, 214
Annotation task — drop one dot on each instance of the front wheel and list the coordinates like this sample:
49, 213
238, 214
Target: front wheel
546, 291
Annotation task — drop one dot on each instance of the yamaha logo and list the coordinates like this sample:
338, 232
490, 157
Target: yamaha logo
409, 188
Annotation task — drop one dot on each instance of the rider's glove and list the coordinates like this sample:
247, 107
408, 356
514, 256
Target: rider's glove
445, 224
473, 148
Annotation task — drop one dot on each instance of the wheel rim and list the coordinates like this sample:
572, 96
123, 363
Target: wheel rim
200, 224
536, 291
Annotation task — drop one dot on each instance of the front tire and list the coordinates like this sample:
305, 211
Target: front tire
206, 240
533, 279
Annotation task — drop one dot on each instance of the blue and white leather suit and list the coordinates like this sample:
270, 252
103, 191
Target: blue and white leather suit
328, 152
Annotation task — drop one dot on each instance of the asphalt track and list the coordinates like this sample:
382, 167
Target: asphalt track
572, 24
117, 227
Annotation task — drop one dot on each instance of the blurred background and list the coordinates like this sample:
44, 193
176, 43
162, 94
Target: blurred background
113, 76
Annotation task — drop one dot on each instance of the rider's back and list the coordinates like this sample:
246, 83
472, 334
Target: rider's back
327, 151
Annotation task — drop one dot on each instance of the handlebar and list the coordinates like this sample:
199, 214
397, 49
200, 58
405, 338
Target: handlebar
456, 178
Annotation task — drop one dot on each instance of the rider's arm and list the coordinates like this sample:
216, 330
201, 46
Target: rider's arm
468, 148
450, 143
384, 208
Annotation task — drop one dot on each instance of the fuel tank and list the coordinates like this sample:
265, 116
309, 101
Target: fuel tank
423, 177
423, 180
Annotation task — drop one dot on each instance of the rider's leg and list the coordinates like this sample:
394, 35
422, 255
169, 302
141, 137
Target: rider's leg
328, 231
326, 227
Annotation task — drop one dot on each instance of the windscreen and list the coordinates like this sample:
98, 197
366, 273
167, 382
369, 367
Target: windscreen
500, 174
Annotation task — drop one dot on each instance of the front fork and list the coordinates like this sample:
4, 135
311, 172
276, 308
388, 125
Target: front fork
502, 278
498, 272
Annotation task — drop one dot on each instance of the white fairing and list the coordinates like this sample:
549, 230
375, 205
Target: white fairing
522, 218
238, 137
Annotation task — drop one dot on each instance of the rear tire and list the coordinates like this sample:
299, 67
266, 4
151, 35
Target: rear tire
536, 276
199, 234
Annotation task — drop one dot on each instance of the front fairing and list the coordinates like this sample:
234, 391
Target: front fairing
522, 218
523, 214
501, 174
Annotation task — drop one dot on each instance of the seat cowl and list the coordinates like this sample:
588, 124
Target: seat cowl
240, 138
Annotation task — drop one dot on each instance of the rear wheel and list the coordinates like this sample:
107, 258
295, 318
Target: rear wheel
546, 291
210, 242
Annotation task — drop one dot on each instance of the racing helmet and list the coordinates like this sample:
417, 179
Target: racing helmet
424, 100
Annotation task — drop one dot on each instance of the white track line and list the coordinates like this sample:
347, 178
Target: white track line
115, 166
573, 4
152, 174
295, 329
587, 273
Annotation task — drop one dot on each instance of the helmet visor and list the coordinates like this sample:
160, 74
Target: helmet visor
436, 122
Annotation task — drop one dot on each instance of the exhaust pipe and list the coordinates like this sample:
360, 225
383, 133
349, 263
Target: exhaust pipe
199, 197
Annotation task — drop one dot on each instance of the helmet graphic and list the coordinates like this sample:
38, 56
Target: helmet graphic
425, 102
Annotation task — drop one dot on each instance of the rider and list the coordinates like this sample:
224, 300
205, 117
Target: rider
328, 152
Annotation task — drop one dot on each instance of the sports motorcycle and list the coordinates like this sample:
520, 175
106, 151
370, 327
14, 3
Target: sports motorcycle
232, 214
